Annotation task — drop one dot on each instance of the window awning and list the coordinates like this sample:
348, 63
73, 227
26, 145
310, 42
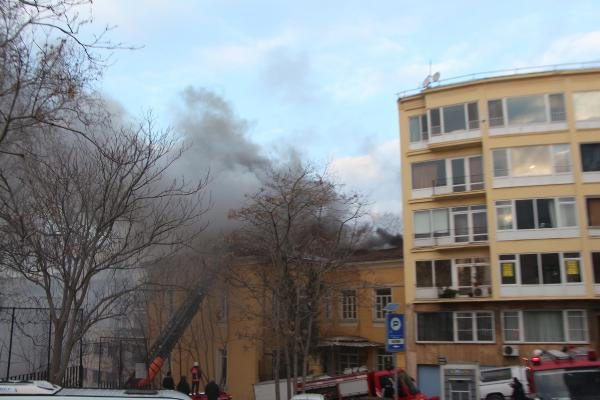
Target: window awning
347, 341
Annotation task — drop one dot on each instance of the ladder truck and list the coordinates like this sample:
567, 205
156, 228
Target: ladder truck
170, 335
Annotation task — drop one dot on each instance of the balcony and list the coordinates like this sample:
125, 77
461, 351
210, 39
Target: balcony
451, 188
453, 292
453, 238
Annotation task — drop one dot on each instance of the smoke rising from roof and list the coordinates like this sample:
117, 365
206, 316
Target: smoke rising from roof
217, 141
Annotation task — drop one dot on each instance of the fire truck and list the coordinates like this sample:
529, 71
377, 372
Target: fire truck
362, 384
570, 374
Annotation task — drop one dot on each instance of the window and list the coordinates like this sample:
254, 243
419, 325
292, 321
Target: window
382, 298
429, 174
590, 157
540, 268
536, 213
465, 173
418, 128
496, 113
587, 106
508, 268
384, 360
431, 223
435, 327
596, 265
436, 273
593, 211
348, 359
503, 374
532, 160
524, 110
455, 118
349, 304
463, 326
469, 223
545, 326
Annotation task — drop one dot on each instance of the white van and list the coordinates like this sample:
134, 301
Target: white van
42, 390
495, 383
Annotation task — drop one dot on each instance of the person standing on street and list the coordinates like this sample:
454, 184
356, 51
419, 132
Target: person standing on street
183, 386
196, 377
212, 390
168, 382
518, 392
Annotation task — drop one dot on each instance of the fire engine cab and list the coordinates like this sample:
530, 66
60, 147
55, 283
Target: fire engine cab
570, 374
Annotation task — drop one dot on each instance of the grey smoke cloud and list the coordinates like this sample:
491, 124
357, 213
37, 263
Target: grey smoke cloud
217, 140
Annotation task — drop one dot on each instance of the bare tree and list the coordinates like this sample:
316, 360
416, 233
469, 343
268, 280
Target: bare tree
46, 64
79, 218
302, 227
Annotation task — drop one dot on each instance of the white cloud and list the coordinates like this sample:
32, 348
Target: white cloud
375, 174
573, 48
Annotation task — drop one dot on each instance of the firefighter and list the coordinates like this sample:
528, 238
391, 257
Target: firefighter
212, 390
168, 382
196, 372
183, 386
518, 392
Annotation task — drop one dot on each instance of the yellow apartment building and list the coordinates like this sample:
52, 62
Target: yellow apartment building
229, 339
501, 207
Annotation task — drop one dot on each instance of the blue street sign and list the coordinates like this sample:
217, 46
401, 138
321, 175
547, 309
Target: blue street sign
394, 332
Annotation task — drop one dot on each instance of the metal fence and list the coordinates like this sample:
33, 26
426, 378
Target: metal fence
100, 361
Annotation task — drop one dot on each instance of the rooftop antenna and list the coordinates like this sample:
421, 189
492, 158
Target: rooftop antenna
430, 78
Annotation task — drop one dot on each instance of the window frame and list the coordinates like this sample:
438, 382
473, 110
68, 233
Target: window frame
565, 323
349, 308
470, 124
563, 259
380, 302
561, 218
547, 111
553, 150
474, 326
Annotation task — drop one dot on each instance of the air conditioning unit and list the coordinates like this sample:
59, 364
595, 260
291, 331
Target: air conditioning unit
481, 291
510, 350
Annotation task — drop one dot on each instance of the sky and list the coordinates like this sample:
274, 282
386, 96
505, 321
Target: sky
319, 78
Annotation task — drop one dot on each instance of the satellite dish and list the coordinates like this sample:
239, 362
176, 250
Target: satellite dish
426, 82
436, 77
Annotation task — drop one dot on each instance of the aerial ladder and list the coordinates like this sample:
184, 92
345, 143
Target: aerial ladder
170, 335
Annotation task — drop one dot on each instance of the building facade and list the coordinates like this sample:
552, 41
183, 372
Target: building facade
229, 338
501, 196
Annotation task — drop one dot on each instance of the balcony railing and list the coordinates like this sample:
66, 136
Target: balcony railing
451, 292
458, 236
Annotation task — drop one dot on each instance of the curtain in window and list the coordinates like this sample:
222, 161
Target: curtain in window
593, 208
440, 222
429, 174
422, 228
543, 326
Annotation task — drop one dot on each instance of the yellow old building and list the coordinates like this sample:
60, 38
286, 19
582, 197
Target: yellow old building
501, 195
229, 339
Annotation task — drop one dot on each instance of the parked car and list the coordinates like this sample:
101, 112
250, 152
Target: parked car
42, 390
495, 382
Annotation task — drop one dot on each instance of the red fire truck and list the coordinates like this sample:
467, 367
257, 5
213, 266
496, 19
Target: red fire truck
359, 385
570, 374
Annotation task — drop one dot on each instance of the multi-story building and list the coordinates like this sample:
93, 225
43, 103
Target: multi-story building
230, 338
501, 206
